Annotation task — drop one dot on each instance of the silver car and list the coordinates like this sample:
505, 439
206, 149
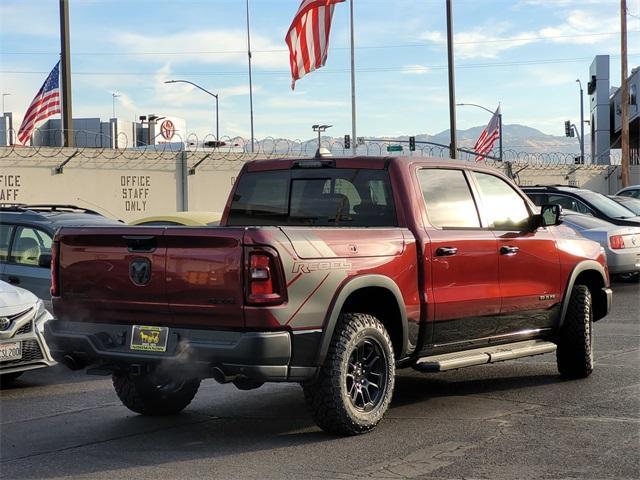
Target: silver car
630, 191
22, 344
621, 243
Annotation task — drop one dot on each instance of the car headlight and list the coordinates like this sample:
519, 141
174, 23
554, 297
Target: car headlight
41, 317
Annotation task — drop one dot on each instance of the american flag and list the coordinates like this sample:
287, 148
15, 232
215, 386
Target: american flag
488, 137
308, 37
45, 104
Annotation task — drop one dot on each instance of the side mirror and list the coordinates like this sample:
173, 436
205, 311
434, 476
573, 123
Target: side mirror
550, 215
44, 260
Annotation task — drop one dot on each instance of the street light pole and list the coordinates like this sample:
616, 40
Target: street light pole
581, 122
214, 95
492, 113
320, 129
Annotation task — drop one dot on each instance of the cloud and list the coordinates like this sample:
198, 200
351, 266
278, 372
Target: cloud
300, 103
23, 19
415, 69
580, 27
213, 47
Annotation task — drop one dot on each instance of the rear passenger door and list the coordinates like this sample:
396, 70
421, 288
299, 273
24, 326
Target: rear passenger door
528, 260
460, 261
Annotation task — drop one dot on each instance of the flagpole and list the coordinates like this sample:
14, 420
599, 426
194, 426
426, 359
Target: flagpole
354, 139
65, 65
453, 148
250, 80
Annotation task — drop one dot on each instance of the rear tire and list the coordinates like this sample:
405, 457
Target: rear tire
354, 387
575, 341
154, 394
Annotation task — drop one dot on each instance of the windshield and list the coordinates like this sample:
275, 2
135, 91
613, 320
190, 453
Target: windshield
632, 204
607, 206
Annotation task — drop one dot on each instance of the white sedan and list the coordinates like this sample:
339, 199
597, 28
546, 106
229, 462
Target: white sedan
22, 344
621, 243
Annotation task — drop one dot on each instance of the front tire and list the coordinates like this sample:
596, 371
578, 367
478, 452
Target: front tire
575, 341
154, 394
354, 387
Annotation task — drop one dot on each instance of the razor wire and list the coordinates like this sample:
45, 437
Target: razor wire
99, 148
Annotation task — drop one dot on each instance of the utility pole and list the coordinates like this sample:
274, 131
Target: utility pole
65, 53
250, 81
624, 95
453, 147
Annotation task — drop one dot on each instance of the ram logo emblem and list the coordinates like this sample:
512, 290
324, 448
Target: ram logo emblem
140, 271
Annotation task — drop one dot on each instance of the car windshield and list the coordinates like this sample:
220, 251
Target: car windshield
632, 204
607, 206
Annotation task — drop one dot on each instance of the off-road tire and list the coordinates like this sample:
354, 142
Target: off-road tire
142, 394
575, 339
327, 397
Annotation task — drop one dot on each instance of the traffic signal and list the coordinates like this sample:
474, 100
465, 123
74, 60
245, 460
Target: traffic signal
568, 131
347, 142
412, 144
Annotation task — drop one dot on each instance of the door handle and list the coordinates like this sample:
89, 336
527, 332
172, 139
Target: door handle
14, 280
509, 250
446, 251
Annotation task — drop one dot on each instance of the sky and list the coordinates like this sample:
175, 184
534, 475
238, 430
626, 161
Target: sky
524, 54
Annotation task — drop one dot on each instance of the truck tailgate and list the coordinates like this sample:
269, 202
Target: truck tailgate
151, 276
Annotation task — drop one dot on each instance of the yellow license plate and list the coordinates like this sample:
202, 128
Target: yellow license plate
150, 339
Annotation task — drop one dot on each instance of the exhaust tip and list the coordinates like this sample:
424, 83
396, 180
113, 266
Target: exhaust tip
72, 363
219, 375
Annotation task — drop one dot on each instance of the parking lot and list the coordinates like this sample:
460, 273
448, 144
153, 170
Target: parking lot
508, 420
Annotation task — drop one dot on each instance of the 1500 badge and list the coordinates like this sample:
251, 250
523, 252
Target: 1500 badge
546, 297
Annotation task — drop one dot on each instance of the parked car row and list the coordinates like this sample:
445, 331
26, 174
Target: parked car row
610, 221
26, 233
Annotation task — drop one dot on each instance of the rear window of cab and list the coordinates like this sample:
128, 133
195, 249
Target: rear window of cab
319, 196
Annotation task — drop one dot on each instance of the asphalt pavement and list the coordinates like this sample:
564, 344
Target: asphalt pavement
511, 420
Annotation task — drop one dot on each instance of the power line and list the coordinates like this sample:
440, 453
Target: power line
338, 70
363, 47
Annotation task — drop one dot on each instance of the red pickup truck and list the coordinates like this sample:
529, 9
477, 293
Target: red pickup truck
331, 273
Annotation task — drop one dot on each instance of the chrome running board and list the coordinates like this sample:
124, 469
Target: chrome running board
484, 355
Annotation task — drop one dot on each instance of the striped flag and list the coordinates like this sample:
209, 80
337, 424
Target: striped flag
488, 137
308, 37
45, 104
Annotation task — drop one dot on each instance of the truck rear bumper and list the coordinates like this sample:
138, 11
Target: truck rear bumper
260, 356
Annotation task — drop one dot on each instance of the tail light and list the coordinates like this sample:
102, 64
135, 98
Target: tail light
55, 268
265, 285
617, 242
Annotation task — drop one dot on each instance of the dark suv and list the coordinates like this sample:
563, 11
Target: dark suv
26, 233
583, 201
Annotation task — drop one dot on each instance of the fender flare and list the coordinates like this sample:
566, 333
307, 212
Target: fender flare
583, 266
352, 285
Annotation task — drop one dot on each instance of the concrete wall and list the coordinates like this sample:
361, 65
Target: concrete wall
130, 184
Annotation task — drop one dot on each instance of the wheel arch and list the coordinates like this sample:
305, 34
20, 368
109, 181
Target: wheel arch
591, 274
383, 296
